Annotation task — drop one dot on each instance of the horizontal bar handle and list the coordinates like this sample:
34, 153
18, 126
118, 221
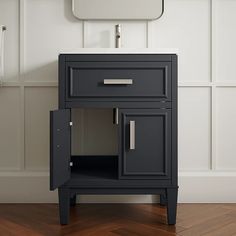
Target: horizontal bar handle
132, 135
118, 81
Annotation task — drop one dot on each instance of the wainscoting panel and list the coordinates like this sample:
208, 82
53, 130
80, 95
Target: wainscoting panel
225, 38
226, 128
194, 128
38, 102
185, 25
50, 28
10, 128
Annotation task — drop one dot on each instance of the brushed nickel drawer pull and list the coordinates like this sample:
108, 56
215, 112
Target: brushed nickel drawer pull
132, 135
118, 81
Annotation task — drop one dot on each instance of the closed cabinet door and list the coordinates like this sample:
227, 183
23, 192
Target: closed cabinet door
145, 144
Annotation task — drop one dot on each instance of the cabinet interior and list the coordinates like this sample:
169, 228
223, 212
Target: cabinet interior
94, 144
94, 167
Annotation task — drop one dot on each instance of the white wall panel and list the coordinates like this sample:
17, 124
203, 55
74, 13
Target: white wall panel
9, 16
50, 28
185, 25
38, 102
10, 128
194, 128
226, 128
101, 34
225, 38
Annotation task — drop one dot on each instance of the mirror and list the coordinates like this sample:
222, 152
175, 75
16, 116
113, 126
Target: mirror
118, 9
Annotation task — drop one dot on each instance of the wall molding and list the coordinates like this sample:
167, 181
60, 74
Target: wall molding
206, 189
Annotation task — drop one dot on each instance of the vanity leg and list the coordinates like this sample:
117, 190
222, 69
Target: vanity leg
163, 200
64, 205
73, 200
171, 205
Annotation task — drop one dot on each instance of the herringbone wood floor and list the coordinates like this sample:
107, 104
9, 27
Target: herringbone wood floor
118, 219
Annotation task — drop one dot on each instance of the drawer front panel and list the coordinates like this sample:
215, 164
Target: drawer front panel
119, 79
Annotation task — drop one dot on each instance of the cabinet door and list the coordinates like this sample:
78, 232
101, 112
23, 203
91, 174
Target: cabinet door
145, 144
59, 147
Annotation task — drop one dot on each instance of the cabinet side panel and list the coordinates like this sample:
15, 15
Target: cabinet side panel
174, 120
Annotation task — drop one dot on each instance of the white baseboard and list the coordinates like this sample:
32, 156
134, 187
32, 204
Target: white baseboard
25, 187
205, 187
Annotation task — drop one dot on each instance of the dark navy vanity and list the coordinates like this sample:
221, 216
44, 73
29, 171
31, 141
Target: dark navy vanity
142, 91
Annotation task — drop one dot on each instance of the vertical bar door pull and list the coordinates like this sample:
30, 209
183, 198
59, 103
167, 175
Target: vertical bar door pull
132, 135
116, 116
71, 82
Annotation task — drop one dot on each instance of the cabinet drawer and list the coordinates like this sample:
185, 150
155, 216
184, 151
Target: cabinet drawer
118, 79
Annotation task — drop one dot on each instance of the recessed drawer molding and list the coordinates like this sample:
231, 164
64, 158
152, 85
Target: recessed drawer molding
119, 80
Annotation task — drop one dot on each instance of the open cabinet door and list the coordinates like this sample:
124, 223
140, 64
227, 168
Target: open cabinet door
60, 134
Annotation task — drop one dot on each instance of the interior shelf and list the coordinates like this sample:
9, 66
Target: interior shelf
94, 167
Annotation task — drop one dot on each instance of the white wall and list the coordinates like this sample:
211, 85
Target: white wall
204, 33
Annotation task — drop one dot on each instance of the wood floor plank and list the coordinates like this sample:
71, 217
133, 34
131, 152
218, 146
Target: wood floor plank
117, 220
208, 226
227, 230
104, 229
133, 228
231, 206
190, 211
202, 216
10, 228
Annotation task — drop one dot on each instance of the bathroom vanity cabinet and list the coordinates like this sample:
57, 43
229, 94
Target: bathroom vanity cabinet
142, 91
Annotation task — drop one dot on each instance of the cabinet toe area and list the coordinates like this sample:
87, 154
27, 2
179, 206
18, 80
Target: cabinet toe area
73, 200
163, 200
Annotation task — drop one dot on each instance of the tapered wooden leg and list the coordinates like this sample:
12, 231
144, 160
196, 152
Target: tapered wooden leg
73, 201
163, 200
171, 205
64, 205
